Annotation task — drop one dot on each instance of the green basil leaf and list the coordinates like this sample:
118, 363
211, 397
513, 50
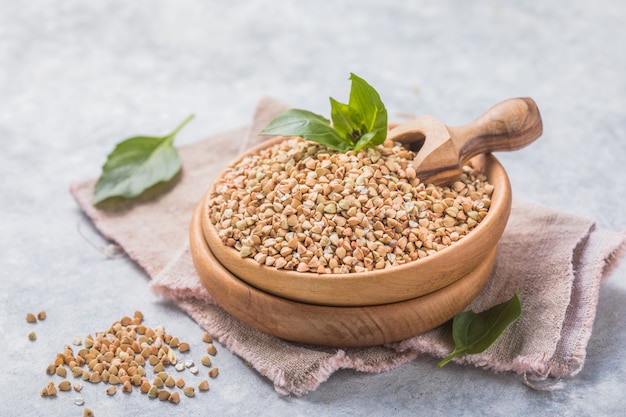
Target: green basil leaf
307, 125
137, 164
360, 123
365, 101
371, 139
475, 332
343, 121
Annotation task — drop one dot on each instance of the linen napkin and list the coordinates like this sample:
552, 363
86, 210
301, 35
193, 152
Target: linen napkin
555, 261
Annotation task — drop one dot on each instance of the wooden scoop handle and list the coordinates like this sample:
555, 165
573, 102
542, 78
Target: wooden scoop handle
509, 125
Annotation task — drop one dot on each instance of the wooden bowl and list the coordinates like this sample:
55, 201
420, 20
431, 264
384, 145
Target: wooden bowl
328, 325
389, 285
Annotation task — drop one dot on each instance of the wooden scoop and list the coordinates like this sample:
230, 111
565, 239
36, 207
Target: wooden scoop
509, 125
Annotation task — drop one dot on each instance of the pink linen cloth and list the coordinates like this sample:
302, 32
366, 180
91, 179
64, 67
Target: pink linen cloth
555, 261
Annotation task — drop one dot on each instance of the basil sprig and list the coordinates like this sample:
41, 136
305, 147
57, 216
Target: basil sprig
138, 163
360, 123
475, 332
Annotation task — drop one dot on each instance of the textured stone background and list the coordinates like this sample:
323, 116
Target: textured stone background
76, 77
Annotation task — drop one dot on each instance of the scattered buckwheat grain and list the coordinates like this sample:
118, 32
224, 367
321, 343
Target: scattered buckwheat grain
120, 356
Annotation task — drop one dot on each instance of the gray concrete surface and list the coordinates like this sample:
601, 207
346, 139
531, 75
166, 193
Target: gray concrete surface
78, 76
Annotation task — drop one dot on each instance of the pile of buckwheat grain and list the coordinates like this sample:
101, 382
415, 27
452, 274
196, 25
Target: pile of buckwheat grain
130, 356
299, 206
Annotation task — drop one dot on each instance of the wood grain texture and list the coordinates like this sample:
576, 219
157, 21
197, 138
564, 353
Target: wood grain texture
388, 285
507, 126
325, 325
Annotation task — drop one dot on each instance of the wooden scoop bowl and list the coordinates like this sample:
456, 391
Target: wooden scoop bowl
443, 150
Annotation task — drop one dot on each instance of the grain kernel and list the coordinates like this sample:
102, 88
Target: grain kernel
189, 391
174, 397
49, 390
65, 385
144, 387
51, 369
41, 315
158, 382
138, 315
206, 337
211, 350
203, 385
213, 372
163, 395
77, 372
153, 392
61, 371
174, 342
30, 318
127, 387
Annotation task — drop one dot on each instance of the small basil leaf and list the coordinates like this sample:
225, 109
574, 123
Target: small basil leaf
137, 164
343, 121
365, 101
475, 332
369, 139
308, 125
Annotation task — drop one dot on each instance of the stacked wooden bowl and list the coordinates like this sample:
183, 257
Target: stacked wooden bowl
356, 309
